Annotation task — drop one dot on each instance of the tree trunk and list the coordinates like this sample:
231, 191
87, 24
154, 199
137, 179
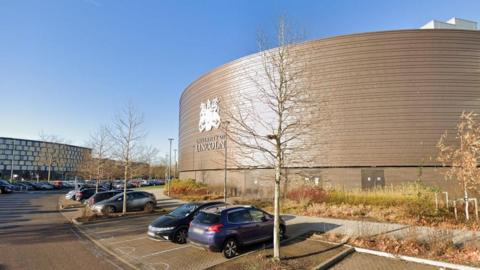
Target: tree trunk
276, 220
124, 211
49, 172
467, 216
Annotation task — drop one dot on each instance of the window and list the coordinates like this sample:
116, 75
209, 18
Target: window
241, 216
257, 215
207, 218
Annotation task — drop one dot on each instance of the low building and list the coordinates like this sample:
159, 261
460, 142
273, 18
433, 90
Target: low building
31, 159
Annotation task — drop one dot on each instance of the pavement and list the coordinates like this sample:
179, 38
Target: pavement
34, 235
302, 224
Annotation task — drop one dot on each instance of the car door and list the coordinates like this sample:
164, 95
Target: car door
131, 204
264, 224
241, 222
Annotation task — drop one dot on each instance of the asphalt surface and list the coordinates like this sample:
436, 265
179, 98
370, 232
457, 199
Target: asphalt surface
127, 239
34, 235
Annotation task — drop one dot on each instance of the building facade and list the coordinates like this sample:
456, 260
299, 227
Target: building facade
390, 97
31, 159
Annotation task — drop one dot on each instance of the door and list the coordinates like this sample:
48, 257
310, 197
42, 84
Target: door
372, 178
264, 224
241, 222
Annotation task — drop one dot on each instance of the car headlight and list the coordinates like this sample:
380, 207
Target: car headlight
160, 229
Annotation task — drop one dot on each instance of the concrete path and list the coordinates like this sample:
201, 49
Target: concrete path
300, 224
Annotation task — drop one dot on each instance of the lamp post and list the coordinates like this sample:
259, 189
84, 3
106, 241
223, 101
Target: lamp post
169, 165
225, 159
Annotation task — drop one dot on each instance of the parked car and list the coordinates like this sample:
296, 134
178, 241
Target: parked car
120, 184
136, 200
104, 195
22, 186
174, 225
226, 228
44, 186
31, 185
85, 193
71, 194
5, 187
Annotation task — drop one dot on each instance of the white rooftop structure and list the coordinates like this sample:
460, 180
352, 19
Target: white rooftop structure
453, 23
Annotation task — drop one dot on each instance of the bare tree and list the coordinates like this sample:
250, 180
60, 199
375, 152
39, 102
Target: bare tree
100, 141
127, 133
270, 123
149, 155
52, 152
463, 155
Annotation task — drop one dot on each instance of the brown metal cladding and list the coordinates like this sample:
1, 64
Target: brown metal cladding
390, 96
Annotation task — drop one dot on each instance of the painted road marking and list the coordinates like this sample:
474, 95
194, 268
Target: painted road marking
123, 241
163, 251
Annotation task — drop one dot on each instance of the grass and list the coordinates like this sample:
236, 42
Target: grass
412, 204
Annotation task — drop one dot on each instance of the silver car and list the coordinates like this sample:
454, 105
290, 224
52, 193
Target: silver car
136, 200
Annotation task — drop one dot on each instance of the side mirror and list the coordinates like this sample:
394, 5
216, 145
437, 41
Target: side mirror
120, 199
264, 219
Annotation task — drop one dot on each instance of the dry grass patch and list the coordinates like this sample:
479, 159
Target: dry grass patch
437, 245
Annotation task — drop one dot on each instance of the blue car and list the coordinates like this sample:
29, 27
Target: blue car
226, 228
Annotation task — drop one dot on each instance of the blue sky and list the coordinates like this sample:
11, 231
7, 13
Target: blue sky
66, 66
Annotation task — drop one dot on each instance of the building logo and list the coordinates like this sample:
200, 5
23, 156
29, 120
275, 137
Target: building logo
209, 115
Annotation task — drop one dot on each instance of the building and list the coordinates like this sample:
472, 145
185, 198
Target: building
391, 96
31, 159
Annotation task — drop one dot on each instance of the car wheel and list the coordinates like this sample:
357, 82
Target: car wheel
180, 236
109, 210
148, 207
230, 249
1, 190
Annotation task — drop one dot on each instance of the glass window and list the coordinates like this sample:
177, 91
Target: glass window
207, 218
257, 215
241, 216
184, 210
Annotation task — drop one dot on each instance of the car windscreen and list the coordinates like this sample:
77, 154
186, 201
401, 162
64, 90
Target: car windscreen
184, 210
207, 218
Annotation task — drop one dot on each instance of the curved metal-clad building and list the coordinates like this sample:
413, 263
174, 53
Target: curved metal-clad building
390, 97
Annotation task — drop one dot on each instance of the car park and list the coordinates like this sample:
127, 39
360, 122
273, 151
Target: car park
136, 200
174, 225
226, 228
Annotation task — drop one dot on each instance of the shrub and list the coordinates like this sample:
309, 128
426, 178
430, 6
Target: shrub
307, 194
187, 187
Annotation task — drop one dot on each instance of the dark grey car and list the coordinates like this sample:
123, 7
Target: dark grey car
136, 200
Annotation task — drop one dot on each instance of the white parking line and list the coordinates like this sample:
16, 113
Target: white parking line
123, 241
163, 251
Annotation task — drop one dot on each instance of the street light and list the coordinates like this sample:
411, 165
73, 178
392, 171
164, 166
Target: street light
169, 165
225, 158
